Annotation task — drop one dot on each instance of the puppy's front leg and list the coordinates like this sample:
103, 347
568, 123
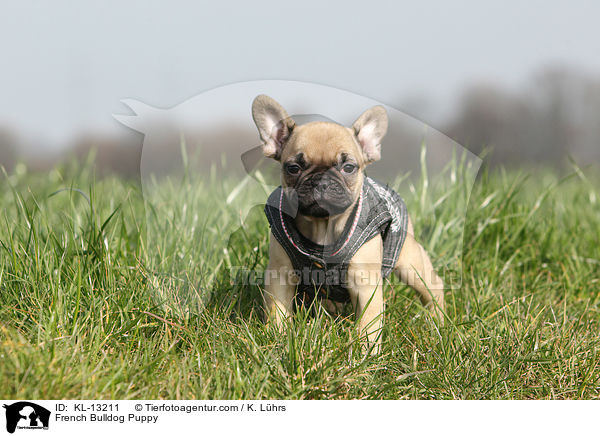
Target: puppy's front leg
415, 269
279, 285
366, 290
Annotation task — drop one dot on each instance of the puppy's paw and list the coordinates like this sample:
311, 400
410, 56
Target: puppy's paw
437, 311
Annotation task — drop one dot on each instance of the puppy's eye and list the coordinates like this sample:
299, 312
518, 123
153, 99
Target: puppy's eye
293, 169
349, 168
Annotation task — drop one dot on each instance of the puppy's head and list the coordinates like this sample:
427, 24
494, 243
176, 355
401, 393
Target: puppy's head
321, 162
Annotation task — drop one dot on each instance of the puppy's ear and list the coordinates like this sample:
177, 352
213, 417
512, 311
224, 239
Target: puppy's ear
370, 128
274, 125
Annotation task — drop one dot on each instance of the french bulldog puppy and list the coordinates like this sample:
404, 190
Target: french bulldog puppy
336, 233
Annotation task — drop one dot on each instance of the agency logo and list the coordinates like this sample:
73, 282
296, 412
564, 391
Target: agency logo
204, 135
26, 415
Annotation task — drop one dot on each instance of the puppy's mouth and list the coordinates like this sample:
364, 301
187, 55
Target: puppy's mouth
323, 198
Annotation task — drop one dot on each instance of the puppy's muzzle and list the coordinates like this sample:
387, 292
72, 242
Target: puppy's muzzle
323, 195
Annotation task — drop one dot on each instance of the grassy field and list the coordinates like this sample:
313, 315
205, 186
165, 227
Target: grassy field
92, 308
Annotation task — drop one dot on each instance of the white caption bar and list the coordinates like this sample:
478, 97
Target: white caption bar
24, 417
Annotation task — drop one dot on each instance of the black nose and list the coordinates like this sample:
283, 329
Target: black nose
321, 186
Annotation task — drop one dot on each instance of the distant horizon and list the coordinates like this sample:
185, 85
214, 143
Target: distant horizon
65, 69
418, 103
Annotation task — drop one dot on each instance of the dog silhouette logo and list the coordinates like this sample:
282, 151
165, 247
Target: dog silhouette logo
204, 132
26, 415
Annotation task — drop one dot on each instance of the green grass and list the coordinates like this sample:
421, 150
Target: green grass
92, 308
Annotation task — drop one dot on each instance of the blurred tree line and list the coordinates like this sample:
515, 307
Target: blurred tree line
7, 149
555, 115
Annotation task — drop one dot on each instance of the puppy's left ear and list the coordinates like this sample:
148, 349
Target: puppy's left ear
370, 128
274, 125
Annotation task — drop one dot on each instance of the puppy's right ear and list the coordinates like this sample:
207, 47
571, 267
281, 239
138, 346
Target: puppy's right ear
274, 125
370, 128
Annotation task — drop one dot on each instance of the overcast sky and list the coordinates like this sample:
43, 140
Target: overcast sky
65, 65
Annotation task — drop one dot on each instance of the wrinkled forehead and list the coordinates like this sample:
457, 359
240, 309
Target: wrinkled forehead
321, 143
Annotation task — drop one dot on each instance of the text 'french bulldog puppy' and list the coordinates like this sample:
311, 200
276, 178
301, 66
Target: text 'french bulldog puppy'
336, 233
